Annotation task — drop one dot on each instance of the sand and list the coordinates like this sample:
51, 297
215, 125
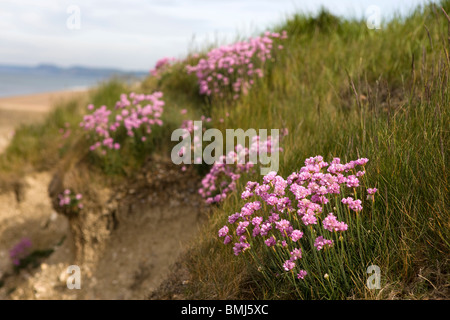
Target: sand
24, 109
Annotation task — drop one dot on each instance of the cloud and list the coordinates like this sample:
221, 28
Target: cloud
133, 34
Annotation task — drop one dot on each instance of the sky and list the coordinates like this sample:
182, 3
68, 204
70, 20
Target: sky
134, 34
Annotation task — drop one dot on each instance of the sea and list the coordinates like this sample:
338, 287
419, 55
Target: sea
18, 84
23, 82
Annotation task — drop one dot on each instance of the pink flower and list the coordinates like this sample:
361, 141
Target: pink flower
362, 161
20, 251
283, 225
233, 218
240, 230
371, 193
265, 228
223, 231
240, 247
288, 265
256, 221
235, 60
330, 223
296, 254
315, 184
309, 219
246, 194
296, 235
227, 240
133, 111
270, 242
352, 181
320, 243
160, 65
354, 205
302, 274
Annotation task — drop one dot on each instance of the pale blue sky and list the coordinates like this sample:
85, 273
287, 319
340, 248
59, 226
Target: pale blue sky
134, 34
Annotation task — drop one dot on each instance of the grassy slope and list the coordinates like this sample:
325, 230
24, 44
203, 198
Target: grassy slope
341, 90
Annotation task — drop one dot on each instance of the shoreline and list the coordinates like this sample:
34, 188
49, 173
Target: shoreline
40, 102
29, 108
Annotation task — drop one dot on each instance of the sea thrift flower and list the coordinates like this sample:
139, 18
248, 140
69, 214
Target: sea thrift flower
296, 254
234, 67
265, 228
362, 161
330, 223
246, 194
270, 242
288, 265
256, 221
354, 205
360, 173
136, 113
70, 199
223, 232
161, 65
240, 247
227, 240
229, 168
240, 230
283, 225
371, 193
233, 218
309, 219
302, 274
320, 243
296, 235
281, 208
20, 251
352, 182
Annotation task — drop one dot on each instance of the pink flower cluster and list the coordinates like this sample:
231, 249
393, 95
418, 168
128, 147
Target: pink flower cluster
161, 65
70, 199
132, 113
331, 224
20, 251
371, 193
235, 66
222, 177
189, 128
320, 243
279, 210
354, 205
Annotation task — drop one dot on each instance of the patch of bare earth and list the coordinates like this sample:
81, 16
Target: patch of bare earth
126, 240
31, 215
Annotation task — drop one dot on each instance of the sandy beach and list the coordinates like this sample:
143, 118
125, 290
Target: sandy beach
25, 109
